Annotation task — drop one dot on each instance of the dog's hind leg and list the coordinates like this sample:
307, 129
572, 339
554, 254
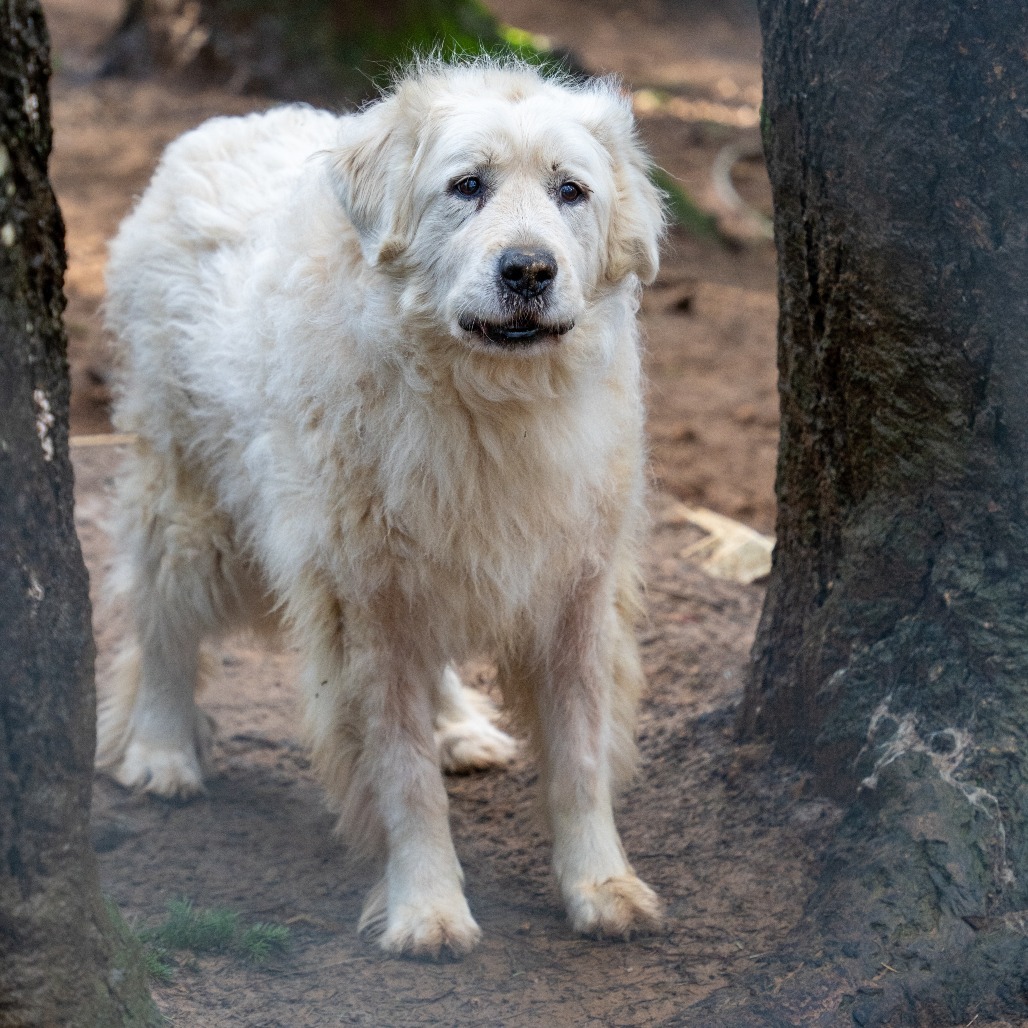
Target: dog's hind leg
465, 733
172, 582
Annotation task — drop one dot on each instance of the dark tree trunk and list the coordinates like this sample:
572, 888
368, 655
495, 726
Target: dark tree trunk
292, 48
892, 657
63, 958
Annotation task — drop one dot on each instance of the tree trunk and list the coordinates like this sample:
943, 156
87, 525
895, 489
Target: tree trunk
892, 655
293, 48
64, 958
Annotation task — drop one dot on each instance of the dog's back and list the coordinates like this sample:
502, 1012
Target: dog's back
185, 258
214, 184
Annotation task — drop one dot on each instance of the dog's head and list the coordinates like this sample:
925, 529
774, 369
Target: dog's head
508, 201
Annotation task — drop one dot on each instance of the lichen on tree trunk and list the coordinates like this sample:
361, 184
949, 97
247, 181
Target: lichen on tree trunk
892, 654
63, 958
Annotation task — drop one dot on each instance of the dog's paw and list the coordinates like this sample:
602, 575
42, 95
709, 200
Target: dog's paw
473, 744
617, 908
430, 930
430, 933
173, 770
170, 773
466, 735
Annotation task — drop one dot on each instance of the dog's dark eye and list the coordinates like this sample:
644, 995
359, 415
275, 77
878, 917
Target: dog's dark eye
569, 192
470, 186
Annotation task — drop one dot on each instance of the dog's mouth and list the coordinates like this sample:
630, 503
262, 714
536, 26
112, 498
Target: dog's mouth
513, 334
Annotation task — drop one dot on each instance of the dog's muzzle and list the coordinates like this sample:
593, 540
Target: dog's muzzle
524, 277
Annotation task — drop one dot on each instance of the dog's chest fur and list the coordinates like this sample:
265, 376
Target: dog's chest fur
476, 518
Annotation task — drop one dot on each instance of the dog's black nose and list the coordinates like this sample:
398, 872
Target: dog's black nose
527, 272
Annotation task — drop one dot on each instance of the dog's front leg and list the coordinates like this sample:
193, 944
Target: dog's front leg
374, 742
581, 724
419, 903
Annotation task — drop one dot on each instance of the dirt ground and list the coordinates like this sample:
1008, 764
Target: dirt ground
726, 836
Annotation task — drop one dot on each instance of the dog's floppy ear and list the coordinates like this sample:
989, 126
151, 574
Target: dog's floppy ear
637, 211
369, 173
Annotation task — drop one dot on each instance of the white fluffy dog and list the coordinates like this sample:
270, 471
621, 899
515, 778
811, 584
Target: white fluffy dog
385, 377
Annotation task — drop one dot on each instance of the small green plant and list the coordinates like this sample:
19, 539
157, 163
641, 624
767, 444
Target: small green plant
258, 942
158, 967
202, 931
217, 930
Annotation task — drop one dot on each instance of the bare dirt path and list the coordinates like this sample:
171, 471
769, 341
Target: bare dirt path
723, 833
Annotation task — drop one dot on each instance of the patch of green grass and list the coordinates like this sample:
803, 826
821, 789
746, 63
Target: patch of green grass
202, 931
217, 930
260, 941
157, 965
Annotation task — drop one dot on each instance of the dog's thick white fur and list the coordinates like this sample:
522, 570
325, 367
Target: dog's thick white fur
385, 376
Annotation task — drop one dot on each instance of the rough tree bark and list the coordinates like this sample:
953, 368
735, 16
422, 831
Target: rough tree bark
892, 657
64, 958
